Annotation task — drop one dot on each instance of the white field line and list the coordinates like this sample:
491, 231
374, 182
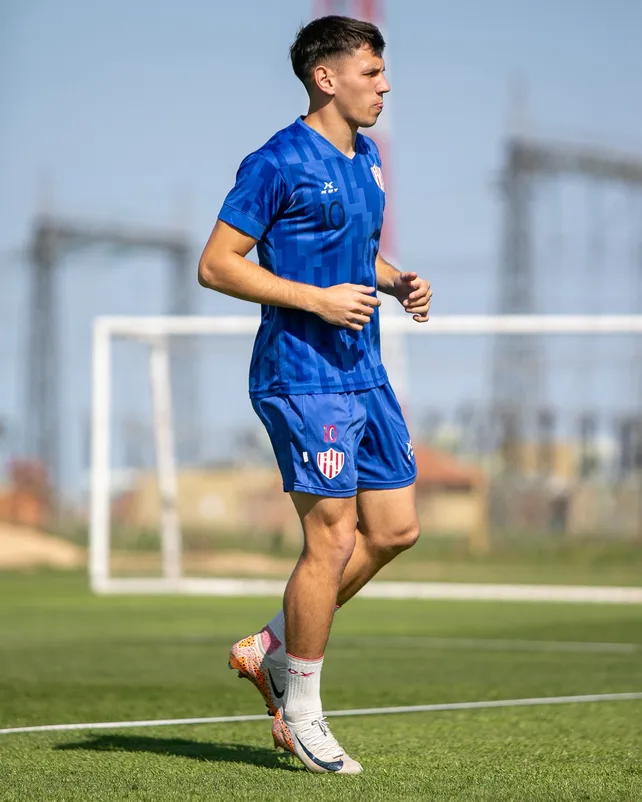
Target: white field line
368, 711
491, 644
190, 586
467, 644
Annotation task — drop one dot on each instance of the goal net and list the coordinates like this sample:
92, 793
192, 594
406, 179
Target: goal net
527, 433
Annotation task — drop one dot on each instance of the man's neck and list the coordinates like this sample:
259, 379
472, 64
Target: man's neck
334, 128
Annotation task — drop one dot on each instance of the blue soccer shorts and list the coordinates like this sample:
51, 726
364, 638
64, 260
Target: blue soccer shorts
331, 444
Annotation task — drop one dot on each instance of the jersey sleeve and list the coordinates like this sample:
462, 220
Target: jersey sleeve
257, 197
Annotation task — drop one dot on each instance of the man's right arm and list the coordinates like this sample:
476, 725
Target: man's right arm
224, 268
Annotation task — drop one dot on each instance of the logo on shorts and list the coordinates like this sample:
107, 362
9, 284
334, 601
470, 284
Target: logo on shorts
410, 451
330, 462
329, 433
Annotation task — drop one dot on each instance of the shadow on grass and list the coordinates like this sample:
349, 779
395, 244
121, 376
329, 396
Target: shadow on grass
180, 747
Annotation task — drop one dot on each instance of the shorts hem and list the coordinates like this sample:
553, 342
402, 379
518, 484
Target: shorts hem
387, 485
318, 491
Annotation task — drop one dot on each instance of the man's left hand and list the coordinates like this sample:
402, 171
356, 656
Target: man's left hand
414, 294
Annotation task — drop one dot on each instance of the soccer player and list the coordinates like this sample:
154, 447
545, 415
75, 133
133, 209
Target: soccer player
311, 200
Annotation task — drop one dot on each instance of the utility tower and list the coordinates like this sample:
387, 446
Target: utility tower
52, 239
518, 373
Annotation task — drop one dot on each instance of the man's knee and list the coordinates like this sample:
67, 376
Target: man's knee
332, 545
396, 540
405, 537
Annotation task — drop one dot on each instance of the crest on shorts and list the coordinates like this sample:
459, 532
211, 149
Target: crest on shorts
378, 176
330, 462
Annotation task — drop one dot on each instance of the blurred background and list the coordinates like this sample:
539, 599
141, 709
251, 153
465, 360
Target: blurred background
513, 164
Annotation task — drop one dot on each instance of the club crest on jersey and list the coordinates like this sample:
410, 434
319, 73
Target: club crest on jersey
329, 188
330, 462
378, 177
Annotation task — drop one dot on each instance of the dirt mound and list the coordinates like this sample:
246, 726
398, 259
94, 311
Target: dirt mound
225, 563
241, 563
25, 547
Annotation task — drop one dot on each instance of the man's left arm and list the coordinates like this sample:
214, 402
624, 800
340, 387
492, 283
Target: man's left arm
412, 292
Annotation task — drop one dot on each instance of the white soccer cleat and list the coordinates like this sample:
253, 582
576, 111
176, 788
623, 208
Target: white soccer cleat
314, 745
250, 660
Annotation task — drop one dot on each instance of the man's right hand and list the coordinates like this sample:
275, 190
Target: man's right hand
349, 306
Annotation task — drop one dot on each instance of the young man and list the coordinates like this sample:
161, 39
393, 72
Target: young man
311, 200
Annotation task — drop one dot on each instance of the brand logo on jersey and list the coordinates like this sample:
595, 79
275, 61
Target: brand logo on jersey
329, 188
378, 177
330, 462
410, 451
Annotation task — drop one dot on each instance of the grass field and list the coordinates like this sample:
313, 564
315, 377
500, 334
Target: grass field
66, 656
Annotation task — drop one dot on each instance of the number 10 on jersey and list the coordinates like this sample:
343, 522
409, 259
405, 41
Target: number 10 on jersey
334, 216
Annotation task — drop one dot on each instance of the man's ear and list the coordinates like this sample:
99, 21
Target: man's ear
324, 78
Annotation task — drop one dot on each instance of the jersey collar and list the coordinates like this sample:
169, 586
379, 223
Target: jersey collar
326, 142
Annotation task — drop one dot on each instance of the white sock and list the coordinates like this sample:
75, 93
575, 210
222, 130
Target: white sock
302, 699
273, 637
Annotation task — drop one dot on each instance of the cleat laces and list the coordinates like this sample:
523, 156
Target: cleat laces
322, 742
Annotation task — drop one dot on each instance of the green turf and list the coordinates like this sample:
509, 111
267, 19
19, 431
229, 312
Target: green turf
67, 656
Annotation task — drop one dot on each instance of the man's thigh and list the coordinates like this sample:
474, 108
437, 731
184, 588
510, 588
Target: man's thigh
331, 517
383, 513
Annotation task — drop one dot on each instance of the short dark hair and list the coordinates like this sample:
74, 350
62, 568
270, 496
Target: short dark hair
329, 37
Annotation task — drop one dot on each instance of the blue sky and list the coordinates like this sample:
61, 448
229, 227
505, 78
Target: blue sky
141, 112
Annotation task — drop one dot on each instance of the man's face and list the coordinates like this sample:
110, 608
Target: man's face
359, 87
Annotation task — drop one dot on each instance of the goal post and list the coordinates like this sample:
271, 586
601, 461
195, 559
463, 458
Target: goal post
156, 334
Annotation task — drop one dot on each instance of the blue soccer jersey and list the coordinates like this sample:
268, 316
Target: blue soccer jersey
317, 216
